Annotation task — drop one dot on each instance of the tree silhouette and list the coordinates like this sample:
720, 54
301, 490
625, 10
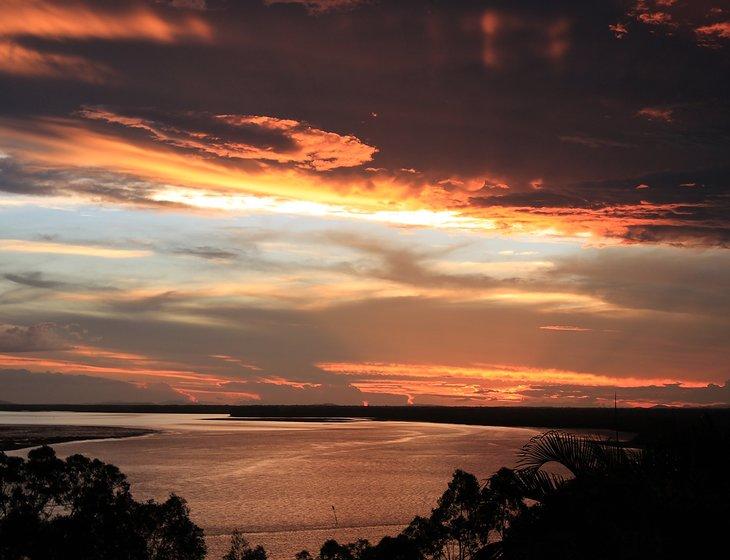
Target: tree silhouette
241, 550
82, 508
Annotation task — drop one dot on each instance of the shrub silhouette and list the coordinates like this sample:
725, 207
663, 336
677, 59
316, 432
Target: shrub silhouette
81, 508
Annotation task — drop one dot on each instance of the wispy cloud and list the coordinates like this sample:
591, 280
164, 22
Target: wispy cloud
50, 247
253, 137
24, 61
564, 328
84, 21
78, 21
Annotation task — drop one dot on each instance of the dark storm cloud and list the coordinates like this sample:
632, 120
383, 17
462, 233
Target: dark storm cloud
23, 387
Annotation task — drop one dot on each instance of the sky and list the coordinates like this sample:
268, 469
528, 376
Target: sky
365, 202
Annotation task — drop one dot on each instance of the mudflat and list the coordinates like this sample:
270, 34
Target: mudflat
21, 436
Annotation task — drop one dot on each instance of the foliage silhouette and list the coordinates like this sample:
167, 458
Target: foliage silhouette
241, 550
669, 499
82, 509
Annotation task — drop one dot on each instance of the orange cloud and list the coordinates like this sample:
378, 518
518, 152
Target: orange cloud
103, 362
68, 143
499, 374
656, 114
712, 35
23, 61
20, 19
266, 164
482, 383
76, 20
307, 147
568, 328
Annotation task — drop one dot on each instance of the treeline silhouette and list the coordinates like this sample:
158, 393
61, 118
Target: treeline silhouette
570, 497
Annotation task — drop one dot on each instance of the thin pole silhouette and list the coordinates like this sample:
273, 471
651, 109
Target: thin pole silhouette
615, 415
335, 514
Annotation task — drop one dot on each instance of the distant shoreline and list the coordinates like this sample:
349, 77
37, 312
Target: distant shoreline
331, 419
642, 421
22, 436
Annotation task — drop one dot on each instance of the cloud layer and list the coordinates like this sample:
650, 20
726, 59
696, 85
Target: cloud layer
23, 387
345, 201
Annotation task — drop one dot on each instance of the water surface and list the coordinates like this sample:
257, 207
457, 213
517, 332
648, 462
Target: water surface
277, 481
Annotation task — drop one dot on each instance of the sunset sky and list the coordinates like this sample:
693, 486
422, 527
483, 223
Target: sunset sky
344, 201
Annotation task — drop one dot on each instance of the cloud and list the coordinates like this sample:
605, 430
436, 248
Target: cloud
676, 337
667, 212
321, 6
23, 387
711, 34
19, 60
186, 4
656, 114
146, 303
282, 392
55, 248
36, 284
494, 384
704, 21
672, 394
247, 137
564, 328
404, 265
83, 21
594, 142
543, 37
21, 20
207, 252
661, 280
97, 185
35, 280
39, 337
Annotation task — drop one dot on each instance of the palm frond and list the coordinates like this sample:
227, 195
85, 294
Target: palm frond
579, 454
536, 484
